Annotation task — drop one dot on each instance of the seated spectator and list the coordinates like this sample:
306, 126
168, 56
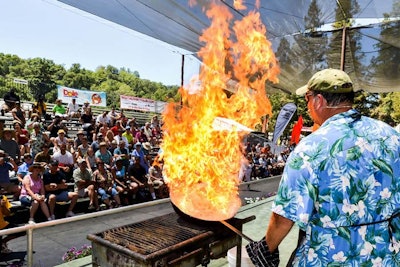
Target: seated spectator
79, 137
121, 183
70, 147
59, 109
41, 107
9, 145
23, 169
148, 132
104, 155
66, 161
141, 136
32, 119
155, 121
22, 138
33, 193
6, 223
73, 109
57, 190
82, 148
117, 127
10, 99
103, 119
55, 126
109, 137
19, 114
91, 160
86, 108
38, 139
96, 143
8, 164
105, 185
138, 152
84, 184
59, 140
138, 175
156, 179
122, 152
120, 137
43, 156
130, 139
113, 115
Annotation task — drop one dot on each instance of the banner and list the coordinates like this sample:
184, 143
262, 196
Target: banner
283, 119
81, 96
143, 104
295, 139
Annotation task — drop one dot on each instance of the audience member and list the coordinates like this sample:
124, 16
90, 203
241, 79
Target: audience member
103, 119
138, 152
105, 185
23, 169
82, 148
33, 193
7, 164
9, 145
96, 143
44, 155
38, 139
156, 179
73, 109
59, 109
139, 177
22, 138
19, 114
91, 159
66, 161
85, 185
57, 190
104, 155
55, 126
10, 99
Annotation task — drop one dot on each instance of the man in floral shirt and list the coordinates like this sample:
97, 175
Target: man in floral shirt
341, 184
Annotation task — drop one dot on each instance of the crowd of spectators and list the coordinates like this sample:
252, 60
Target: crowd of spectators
111, 159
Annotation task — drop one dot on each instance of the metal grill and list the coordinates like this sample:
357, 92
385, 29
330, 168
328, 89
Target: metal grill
166, 240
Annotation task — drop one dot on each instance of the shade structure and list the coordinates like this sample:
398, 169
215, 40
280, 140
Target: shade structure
361, 37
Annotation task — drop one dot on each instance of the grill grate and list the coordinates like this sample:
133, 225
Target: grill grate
169, 230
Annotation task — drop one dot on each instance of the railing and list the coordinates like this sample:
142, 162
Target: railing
30, 227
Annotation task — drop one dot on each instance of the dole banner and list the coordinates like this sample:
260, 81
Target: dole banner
94, 98
283, 119
143, 104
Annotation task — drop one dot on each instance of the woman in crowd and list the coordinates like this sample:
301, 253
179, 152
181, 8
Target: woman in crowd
33, 193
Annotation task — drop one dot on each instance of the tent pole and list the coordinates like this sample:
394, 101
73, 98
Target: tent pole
343, 54
182, 74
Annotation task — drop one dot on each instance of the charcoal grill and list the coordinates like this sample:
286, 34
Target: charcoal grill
167, 240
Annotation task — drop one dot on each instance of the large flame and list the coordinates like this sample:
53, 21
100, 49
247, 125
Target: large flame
202, 162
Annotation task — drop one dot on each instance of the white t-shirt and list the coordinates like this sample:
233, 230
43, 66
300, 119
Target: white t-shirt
66, 159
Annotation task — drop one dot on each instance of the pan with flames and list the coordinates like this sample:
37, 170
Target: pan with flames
202, 161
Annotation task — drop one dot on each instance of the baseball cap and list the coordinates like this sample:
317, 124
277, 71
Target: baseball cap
328, 80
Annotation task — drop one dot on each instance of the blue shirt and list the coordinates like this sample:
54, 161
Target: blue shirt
345, 174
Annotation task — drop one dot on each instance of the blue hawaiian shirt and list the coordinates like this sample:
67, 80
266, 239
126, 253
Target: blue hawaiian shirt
341, 185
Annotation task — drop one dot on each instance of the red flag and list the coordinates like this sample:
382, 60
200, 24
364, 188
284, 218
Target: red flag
297, 131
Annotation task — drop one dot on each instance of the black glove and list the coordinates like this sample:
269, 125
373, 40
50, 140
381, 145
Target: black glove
260, 255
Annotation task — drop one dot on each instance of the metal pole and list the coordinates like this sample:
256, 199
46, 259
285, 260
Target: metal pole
29, 234
343, 52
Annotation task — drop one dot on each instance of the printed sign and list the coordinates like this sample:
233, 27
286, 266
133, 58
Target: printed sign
81, 96
143, 104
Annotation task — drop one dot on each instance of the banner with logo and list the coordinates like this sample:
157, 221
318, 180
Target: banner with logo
81, 96
283, 119
143, 104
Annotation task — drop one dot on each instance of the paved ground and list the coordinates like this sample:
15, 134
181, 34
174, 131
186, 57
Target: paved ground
50, 243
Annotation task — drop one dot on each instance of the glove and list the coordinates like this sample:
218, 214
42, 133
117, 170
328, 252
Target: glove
260, 255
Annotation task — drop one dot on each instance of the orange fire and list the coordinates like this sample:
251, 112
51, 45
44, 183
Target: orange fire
201, 160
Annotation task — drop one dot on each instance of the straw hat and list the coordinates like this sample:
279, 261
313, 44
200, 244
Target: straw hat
147, 146
36, 165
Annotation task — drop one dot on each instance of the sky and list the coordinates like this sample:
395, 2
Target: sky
55, 31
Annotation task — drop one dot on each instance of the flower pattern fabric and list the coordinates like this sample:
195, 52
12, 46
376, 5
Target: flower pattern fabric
341, 185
